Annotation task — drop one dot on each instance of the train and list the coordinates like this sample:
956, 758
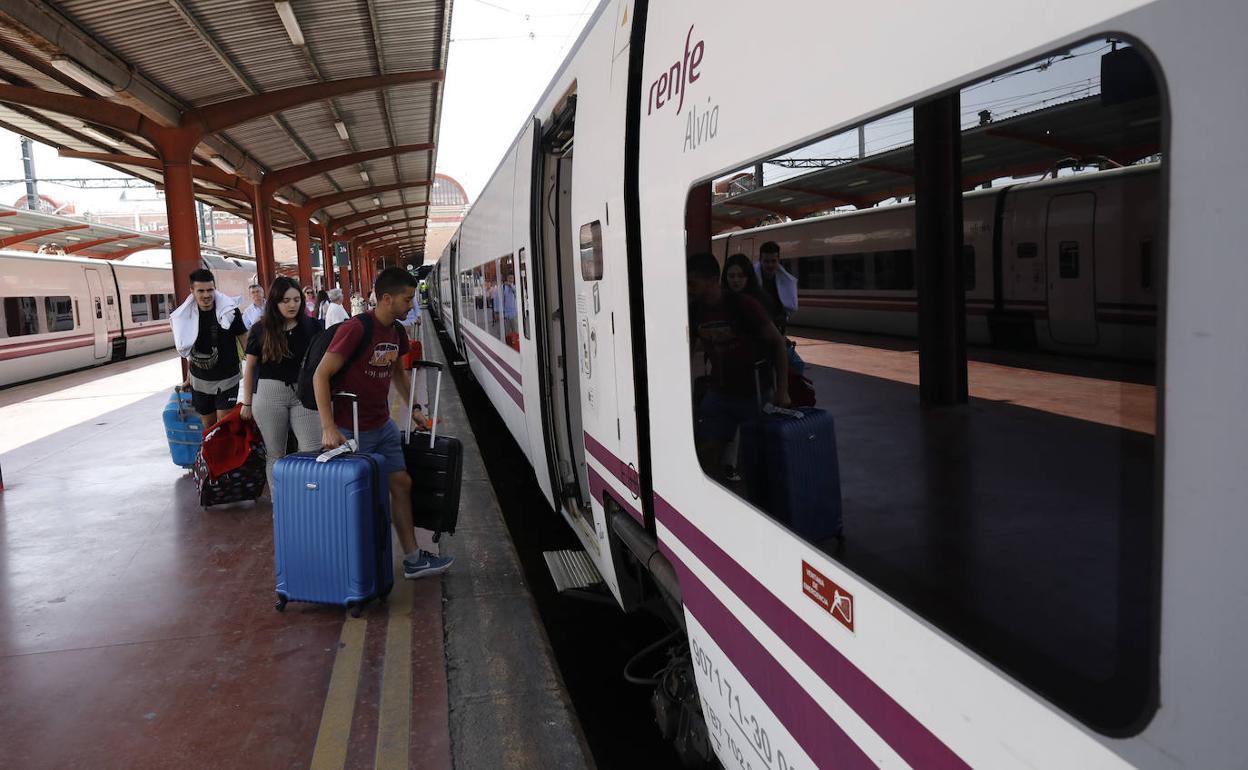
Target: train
856, 270
64, 313
1014, 587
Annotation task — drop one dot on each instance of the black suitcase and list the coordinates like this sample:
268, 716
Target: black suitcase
435, 463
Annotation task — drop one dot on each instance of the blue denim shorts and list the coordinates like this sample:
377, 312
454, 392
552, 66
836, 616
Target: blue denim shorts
385, 441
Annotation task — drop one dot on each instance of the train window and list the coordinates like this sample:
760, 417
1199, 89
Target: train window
138, 308
493, 301
21, 316
1068, 259
110, 299
849, 272
159, 306
524, 296
507, 300
478, 296
591, 251
894, 270
905, 465
58, 313
810, 272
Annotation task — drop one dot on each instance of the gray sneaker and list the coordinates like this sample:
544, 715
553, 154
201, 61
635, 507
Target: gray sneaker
426, 564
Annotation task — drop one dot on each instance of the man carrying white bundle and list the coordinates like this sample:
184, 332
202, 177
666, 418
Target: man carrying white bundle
207, 331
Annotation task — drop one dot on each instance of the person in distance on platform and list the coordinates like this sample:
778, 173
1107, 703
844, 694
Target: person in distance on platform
309, 301
269, 394
370, 376
207, 328
357, 304
322, 305
508, 300
778, 286
252, 312
733, 332
335, 313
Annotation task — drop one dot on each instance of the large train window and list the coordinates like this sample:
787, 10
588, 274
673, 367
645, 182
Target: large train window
139, 311
947, 378
21, 316
493, 309
59, 313
507, 299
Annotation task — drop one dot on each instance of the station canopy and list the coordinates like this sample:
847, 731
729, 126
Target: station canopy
344, 96
33, 230
1084, 131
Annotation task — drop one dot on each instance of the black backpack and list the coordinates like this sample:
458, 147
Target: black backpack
317, 349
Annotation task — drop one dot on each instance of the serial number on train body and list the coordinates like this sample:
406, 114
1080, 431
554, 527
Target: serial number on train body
741, 730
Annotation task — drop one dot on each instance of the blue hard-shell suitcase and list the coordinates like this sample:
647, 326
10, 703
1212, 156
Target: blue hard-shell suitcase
331, 530
791, 471
183, 428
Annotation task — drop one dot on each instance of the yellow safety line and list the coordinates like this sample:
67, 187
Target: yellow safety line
334, 734
394, 710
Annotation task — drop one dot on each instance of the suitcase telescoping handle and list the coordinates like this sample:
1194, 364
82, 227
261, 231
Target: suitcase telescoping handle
352, 443
177, 394
411, 400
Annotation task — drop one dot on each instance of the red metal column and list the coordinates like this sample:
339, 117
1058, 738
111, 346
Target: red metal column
303, 250
262, 222
183, 227
327, 257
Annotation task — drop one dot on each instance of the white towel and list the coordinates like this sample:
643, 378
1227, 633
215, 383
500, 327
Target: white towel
786, 286
185, 320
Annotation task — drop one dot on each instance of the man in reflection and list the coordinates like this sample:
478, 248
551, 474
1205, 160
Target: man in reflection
733, 332
779, 286
508, 299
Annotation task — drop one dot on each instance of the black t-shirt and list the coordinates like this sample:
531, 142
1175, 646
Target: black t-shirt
731, 335
215, 355
298, 337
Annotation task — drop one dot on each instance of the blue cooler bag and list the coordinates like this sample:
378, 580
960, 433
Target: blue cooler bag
183, 428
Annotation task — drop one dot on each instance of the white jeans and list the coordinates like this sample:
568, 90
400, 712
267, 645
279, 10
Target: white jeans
276, 410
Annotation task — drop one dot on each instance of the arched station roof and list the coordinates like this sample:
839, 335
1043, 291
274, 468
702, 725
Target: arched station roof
370, 73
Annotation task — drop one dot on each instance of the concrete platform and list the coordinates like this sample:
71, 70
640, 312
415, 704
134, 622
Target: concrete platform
137, 629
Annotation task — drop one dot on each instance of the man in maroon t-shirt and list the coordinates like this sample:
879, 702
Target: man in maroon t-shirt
370, 376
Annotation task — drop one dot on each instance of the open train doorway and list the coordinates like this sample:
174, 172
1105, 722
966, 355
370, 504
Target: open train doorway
95, 312
555, 289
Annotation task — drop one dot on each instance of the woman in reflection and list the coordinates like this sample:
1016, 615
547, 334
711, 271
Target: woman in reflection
739, 278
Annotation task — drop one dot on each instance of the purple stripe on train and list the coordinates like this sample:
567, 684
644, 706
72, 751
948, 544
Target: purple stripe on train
507, 385
598, 485
511, 370
818, 734
905, 734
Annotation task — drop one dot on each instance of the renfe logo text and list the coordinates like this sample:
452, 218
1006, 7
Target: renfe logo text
677, 78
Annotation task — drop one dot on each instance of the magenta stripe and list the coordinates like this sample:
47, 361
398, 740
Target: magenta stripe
506, 366
515, 394
818, 734
622, 471
910, 739
598, 486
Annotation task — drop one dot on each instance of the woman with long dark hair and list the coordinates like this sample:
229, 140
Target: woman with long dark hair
739, 277
269, 393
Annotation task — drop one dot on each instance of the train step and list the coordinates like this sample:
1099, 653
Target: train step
571, 570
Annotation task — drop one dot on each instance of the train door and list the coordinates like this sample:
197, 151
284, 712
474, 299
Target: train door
452, 268
1071, 266
557, 284
95, 311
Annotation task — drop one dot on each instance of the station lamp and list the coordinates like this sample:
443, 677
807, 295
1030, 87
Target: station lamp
376, 201
341, 128
287, 15
83, 75
282, 200
364, 176
97, 134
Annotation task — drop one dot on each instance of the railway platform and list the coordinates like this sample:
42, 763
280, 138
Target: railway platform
138, 630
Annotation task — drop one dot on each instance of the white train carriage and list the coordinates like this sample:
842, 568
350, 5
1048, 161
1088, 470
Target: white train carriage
1017, 588
856, 270
67, 313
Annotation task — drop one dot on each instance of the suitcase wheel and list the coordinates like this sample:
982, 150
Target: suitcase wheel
280, 606
356, 610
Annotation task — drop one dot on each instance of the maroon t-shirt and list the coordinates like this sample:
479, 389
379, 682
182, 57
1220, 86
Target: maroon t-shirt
369, 375
733, 344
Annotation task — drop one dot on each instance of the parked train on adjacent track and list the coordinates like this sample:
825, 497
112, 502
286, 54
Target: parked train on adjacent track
1102, 632
856, 270
67, 313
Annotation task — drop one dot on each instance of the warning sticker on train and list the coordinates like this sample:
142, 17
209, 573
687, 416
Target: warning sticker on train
838, 602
